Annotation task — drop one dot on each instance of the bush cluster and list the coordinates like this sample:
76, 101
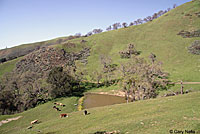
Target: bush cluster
195, 47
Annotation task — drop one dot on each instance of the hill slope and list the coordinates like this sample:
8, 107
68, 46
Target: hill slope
158, 37
156, 116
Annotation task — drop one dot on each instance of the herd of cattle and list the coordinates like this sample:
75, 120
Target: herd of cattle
85, 112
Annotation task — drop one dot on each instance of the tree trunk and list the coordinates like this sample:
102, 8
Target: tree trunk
133, 99
127, 98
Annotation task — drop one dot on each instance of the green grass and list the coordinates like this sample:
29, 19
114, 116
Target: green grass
159, 37
44, 112
155, 116
7, 66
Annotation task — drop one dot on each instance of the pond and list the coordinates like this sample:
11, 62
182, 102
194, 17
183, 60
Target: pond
98, 100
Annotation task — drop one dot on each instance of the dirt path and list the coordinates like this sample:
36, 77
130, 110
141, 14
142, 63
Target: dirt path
8, 120
188, 83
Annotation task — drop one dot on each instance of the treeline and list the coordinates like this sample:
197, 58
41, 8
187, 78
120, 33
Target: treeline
125, 24
15, 52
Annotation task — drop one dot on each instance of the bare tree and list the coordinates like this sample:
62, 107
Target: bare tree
168, 9
174, 6
149, 18
155, 16
145, 20
109, 28
78, 34
124, 25
160, 13
107, 68
97, 76
116, 26
96, 31
88, 34
141, 80
131, 24
152, 58
139, 21
135, 22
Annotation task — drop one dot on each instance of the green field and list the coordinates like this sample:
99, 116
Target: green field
155, 116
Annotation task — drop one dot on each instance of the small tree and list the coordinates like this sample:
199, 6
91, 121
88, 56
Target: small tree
78, 34
131, 50
195, 47
107, 69
149, 18
174, 6
131, 24
97, 76
152, 58
135, 22
161, 12
155, 16
96, 31
142, 80
168, 9
124, 25
145, 20
89, 34
109, 28
116, 26
139, 21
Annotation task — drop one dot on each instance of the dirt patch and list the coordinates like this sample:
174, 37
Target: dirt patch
113, 92
8, 120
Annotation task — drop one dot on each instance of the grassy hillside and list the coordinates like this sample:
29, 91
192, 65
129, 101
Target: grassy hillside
150, 116
156, 116
158, 37
7, 66
44, 113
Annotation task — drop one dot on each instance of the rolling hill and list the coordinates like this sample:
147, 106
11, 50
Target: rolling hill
160, 115
158, 37
155, 116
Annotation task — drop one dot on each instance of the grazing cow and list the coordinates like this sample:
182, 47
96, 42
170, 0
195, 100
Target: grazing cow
59, 104
56, 108
63, 115
34, 122
56, 103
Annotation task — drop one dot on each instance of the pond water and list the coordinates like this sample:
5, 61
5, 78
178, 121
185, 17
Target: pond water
98, 100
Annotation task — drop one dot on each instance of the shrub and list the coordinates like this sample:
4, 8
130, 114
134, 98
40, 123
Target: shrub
195, 47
